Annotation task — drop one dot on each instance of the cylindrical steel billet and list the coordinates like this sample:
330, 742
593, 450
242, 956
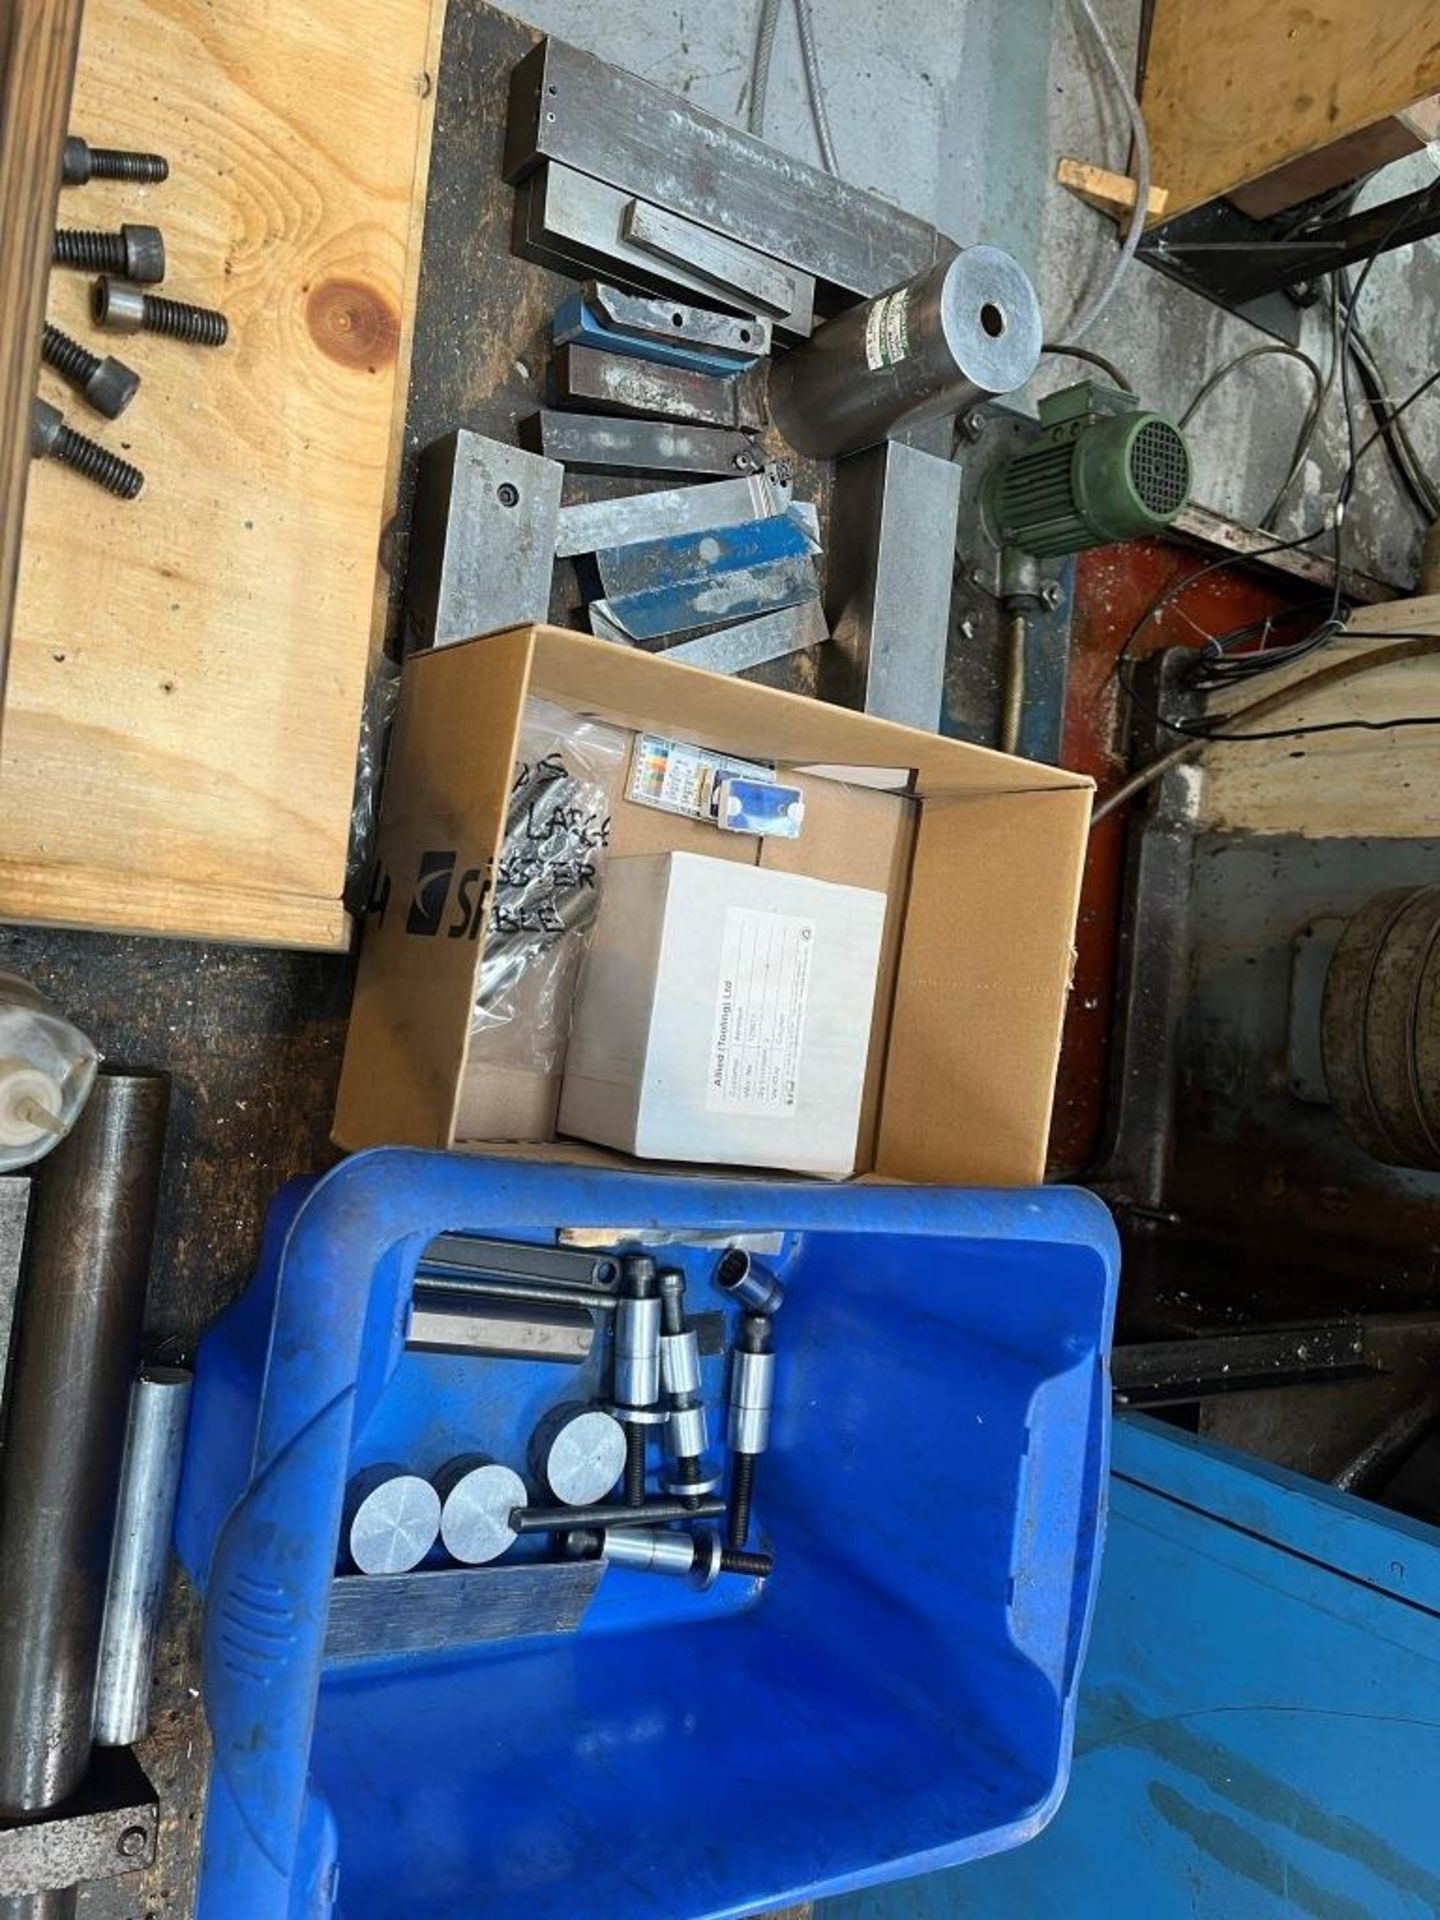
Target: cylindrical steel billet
745, 1280
650, 1513
680, 1362
752, 1390
149, 1482
392, 1520
76, 1349
479, 1498
579, 1453
955, 335
688, 1431
637, 1352
650, 1548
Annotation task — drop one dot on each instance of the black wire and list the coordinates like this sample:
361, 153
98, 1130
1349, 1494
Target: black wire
1107, 367
1322, 726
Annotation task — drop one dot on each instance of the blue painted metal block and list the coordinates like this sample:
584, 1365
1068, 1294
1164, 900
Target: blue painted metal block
658, 587
575, 325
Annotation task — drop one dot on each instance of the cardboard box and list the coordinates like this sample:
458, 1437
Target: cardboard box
979, 856
724, 1015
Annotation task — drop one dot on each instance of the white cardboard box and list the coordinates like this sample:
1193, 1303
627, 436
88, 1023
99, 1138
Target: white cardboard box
724, 1014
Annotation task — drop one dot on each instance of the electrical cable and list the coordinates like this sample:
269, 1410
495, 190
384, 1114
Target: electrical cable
1412, 646
1090, 314
1107, 367
766, 23
1307, 424
810, 59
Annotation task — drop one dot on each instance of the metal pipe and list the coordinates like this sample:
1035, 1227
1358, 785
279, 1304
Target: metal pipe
149, 1483
76, 1350
953, 336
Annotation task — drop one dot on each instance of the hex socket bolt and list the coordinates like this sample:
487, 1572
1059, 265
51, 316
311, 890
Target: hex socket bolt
80, 163
125, 309
134, 253
108, 384
637, 1365
752, 1393
697, 1556
746, 1281
686, 1428
650, 1513
51, 439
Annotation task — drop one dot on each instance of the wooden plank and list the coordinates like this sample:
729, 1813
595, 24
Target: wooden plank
188, 668
38, 39
1107, 192
1348, 785
1234, 90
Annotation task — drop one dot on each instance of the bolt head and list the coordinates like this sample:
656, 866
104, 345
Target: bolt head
974, 424
705, 1570
116, 305
133, 1843
144, 254
74, 162
112, 387
1051, 594
45, 424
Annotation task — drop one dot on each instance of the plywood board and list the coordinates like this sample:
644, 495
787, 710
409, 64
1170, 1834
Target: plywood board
187, 674
1234, 89
1352, 784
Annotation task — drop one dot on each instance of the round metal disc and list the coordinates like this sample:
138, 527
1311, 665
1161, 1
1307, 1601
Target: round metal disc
395, 1525
475, 1520
586, 1458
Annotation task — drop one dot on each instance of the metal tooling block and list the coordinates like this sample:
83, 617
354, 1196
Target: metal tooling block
645, 314
482, 542
448, 1609
568, 106
892, 562
611, 383
607, 444
704, 580
577, 323
594, 524
576, 226
711, 257
754, 642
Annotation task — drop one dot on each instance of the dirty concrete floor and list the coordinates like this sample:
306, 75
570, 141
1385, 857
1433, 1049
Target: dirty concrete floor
959, 109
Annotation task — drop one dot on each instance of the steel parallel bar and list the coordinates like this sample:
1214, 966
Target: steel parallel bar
561, 1333
890, 575
709, 579
464, 1253
568, 106
605, 443
711, 257
576, 226
578, 322
593, 525
648, 315
446, 1609
754, 643
611, 383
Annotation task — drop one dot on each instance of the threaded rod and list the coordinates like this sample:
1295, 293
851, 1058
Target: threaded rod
91, 251
67, 356
742, 1494
97, 463
198, 326
759, 1566
634, 1465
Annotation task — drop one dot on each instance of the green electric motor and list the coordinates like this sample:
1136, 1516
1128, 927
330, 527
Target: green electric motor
1101, 470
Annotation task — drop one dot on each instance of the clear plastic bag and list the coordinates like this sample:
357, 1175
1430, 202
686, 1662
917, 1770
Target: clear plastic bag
47, 1068
547, 886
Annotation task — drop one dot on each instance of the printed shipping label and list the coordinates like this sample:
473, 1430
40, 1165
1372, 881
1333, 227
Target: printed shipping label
765, 962
887, 330
675, 777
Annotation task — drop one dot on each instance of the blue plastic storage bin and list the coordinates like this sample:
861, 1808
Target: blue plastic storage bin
898, 1697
